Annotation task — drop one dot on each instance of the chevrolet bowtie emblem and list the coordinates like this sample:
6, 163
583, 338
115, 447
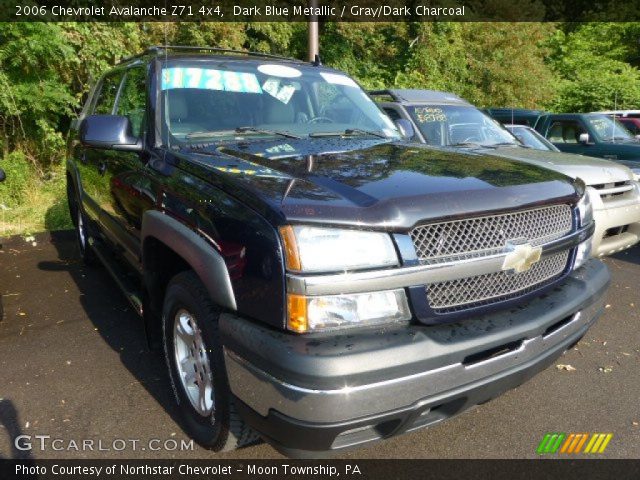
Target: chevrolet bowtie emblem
521, 257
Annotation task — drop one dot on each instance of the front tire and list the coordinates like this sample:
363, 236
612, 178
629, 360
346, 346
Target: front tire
195, 361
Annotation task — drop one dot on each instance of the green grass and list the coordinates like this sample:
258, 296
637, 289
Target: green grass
30, 203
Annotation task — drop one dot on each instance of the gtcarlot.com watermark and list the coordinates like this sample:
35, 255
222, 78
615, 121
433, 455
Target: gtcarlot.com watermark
45, 443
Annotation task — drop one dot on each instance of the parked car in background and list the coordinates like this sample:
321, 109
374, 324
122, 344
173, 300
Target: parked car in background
443, 119
629, 118
632, 124
530, 138
385, 286
592, 134
622, 113
518, 116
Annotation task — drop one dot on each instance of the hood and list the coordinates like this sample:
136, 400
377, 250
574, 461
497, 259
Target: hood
592, 171
380, 184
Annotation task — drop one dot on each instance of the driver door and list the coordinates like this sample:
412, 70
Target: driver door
129, 190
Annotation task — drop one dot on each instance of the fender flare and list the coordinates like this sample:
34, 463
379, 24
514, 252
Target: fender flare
195, 250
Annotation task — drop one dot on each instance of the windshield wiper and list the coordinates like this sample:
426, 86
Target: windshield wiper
221, 133
360, 131
349, 132
212, 133
266, 132
465, 144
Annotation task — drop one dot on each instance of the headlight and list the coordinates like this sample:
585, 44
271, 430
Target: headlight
636, 174
312, 314
314, 249
583, 253
585, 209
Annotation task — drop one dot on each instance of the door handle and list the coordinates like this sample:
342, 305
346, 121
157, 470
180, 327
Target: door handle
102, 168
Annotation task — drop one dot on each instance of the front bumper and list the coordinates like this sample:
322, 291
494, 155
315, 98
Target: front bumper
308, 394
611, 215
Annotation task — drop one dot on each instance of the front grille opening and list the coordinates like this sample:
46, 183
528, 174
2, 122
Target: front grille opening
557, 326
491, 353
602, 186
612, 232
605, 193
471, 292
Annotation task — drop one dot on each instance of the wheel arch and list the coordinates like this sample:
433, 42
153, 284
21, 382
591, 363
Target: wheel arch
168, 248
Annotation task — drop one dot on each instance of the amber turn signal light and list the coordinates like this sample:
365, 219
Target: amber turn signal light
297, 313
292, 256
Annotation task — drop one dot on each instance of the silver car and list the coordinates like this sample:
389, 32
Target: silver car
446, 120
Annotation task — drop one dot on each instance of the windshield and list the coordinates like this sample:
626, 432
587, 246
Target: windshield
457, 125
606, 129
207, 100
531, 138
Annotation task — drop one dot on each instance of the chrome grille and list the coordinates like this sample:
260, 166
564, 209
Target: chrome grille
456, 295
472, 237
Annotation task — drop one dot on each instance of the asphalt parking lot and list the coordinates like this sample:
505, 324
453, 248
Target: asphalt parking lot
73, 365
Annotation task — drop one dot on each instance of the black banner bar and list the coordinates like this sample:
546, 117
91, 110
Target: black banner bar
327, 10
327, 469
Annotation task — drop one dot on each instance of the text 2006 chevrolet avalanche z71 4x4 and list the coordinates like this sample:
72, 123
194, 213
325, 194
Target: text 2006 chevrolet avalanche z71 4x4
312, 278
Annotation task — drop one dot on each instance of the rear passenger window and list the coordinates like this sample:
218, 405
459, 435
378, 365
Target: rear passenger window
132, 100
107, 96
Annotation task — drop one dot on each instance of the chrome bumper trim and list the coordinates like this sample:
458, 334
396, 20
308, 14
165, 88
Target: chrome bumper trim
358, 282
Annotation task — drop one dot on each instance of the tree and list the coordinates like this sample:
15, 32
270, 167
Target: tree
598, 66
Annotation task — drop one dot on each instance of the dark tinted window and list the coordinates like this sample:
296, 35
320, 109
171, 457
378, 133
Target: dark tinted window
393, 113
630, 125
107, 96
132, 100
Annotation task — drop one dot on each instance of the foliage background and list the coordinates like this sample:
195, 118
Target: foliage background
46, 70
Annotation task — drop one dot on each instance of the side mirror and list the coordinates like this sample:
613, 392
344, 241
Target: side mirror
109, 131
583, 138
406, 128
2, 175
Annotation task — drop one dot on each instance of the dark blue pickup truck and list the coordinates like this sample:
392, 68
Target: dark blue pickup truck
312, 278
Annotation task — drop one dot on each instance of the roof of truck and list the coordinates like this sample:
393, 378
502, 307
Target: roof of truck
516, 111
420, 96
621, 113
178, 51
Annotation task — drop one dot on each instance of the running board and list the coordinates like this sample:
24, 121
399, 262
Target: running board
119, 274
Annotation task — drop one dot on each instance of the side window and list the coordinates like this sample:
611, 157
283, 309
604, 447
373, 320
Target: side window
107, 96
565, 131
633, 127
392, 112
132, 100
